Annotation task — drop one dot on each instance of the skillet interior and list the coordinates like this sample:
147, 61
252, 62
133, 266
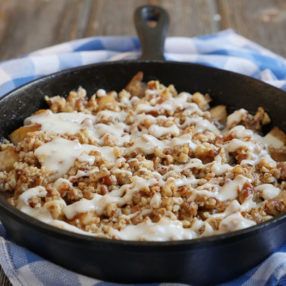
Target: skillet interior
200, 261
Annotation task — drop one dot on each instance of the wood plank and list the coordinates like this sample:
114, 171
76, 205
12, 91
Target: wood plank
188, 17
263, 21
33, 24
4, 281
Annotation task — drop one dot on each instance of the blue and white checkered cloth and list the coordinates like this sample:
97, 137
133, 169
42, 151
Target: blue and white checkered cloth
225, 50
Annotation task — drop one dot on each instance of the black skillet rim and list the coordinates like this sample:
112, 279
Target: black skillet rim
73, 236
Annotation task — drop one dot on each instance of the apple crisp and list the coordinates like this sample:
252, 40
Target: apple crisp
145, 163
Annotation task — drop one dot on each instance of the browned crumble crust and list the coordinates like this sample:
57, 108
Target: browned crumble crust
184, 181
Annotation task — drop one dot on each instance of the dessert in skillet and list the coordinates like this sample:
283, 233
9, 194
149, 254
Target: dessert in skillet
147, 163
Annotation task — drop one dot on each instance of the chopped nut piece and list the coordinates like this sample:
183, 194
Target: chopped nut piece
201, 101
276, 138
107, 102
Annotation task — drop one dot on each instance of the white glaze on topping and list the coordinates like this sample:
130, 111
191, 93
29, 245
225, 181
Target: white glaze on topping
159, 131
60, 154
137, 130
229, 190
163, 230
97, 204
236, 117
233, 207
60, 123
33, 192
146, 144
240, 131
108, 115
236, 144
59, 182
235, 222
156, 200
100, 202
200, 124
37, 212
172, 104
183, 139
116, 130
269, 191
273, 141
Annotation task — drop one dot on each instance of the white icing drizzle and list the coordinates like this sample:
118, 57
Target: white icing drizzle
100, 202
235, 222
116, 130
269, 191
163, 230
37, 212
273, 141
183, 139
172, 104
33, 192
230, 189
60, 181
136, 131
235, 144
240, 131
236, 117
60, 154
159, 131
97, 204
156, 201
118, 116
60, 123
200, 124
146, 144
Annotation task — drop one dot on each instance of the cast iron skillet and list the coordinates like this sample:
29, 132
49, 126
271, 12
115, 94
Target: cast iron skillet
199, 261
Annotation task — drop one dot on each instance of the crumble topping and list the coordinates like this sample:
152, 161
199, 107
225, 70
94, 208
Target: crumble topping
147, 163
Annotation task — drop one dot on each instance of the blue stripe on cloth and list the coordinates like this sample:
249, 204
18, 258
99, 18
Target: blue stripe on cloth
262, 61
6, 87
22, 80
282, 280
20, 256
272, 281
92, 45
120, 284
119, 44
69, 60
55, 276
18, 68
136, 43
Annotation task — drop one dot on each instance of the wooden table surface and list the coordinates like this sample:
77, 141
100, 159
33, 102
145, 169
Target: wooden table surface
28, 25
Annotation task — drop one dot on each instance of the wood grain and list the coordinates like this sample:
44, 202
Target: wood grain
4, 281
28, 25
263, 21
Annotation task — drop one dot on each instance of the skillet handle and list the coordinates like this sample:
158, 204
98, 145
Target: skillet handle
152, 24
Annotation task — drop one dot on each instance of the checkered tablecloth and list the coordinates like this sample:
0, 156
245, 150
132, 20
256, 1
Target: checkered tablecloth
226, 50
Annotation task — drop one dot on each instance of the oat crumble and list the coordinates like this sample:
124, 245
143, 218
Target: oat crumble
146, 163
